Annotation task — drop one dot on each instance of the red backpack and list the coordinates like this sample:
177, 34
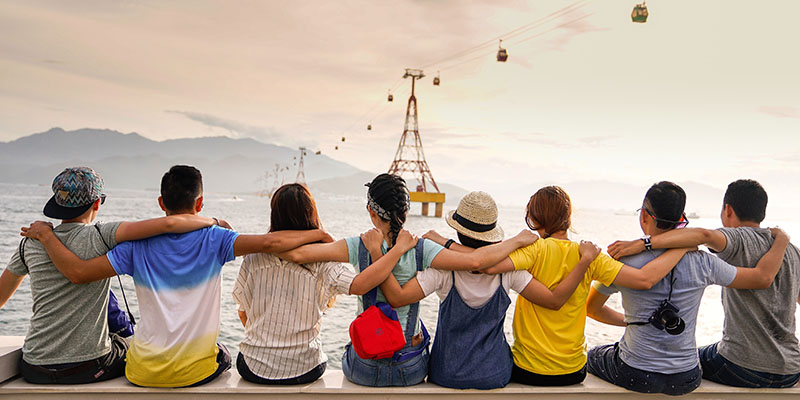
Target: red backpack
376, 333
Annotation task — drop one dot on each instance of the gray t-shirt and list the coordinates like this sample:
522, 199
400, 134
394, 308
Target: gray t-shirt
649, 348
759, 329
69, 321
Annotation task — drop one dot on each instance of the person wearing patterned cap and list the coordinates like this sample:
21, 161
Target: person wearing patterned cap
69, 341
178, 283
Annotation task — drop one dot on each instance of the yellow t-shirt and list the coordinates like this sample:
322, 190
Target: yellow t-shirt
549, 342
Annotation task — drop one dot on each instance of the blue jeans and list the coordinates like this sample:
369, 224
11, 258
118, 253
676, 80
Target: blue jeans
604, 361
719, 369
384, 372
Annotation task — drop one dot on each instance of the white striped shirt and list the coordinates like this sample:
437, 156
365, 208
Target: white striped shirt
284, 302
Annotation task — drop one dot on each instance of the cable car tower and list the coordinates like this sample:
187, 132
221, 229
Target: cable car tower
411, 158
301, 175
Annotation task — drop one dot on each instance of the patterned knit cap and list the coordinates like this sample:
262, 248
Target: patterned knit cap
74, 191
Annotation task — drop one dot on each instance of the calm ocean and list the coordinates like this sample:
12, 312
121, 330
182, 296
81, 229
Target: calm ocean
342, 216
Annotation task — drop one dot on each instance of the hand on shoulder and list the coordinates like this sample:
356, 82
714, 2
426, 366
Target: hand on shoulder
37, 229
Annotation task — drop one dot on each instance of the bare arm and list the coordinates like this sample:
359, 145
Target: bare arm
379, 270
278, 242
506, 265
538, 293
315, 252
483, 257
435, 237
763, 274
597, 309
179, 223
71, 266
650, 274
9, 282
398, 296
676, 238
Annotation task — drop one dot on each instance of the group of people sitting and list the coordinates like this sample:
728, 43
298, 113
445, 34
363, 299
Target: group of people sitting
292, 275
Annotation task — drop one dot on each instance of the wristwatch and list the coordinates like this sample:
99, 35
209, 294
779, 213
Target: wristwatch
449, 243
647, 244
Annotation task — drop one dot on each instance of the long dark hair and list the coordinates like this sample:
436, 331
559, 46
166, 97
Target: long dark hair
293, 208
391, 194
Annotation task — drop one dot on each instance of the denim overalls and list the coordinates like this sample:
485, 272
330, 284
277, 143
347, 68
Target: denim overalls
409, 366
470, 350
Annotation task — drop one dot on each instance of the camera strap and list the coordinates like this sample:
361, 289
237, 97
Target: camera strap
130, 314
669, 297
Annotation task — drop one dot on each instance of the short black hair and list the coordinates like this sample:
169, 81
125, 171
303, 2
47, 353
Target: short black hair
667, 201
470, 242
180, 187
748, 200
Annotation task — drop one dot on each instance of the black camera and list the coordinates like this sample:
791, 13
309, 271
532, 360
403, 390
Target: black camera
666, 317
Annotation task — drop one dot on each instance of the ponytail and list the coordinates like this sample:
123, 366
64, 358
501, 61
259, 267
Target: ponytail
388, 198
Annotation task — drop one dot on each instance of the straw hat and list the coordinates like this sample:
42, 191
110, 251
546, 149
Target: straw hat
476, 217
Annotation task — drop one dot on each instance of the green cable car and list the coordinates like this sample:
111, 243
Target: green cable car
639, 13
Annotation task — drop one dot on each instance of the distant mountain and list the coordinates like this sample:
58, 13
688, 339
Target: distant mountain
135, 162
132, 161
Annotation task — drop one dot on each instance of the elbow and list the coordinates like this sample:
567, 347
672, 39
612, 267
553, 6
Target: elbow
644, 284
76, 278
475, 264
552, 305
170, 224
764, 283
293, 257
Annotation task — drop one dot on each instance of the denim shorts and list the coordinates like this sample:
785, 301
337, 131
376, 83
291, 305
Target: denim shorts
719, 369
384, 372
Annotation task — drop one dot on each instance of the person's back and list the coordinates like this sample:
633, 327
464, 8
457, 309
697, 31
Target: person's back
765, 340
178, 285
284, 303
550, 342
648, 348
69, 322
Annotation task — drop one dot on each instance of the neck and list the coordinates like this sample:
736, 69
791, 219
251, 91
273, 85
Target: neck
83, 219
170, 212
560, 235
749, 224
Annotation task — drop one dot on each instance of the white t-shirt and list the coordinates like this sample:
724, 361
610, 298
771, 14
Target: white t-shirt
475, 289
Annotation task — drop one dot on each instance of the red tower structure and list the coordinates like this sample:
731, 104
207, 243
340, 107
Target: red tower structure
411, 158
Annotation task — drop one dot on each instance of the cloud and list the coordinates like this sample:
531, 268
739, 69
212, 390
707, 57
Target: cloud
780, 111
235, 128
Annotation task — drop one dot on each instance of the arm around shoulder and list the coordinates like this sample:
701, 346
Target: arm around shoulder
763, 274
70, 265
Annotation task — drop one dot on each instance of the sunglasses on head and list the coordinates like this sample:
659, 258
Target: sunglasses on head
676, 224
102, 198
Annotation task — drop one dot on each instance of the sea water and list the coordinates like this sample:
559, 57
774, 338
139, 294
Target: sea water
342, 216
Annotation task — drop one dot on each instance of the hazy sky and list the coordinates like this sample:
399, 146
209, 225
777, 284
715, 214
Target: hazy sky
705, 91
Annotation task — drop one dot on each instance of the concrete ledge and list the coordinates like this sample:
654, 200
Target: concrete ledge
334, 386
10, 353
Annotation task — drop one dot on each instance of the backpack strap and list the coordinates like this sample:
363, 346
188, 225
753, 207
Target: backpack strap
413, 311
364, 260
22, 252
125, 298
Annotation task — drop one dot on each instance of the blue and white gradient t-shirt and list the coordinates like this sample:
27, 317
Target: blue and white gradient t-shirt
178, 284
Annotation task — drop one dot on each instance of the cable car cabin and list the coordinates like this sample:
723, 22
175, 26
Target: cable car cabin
369, 127
390, 98
639, 13
436, 80
343, 138
502, 55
